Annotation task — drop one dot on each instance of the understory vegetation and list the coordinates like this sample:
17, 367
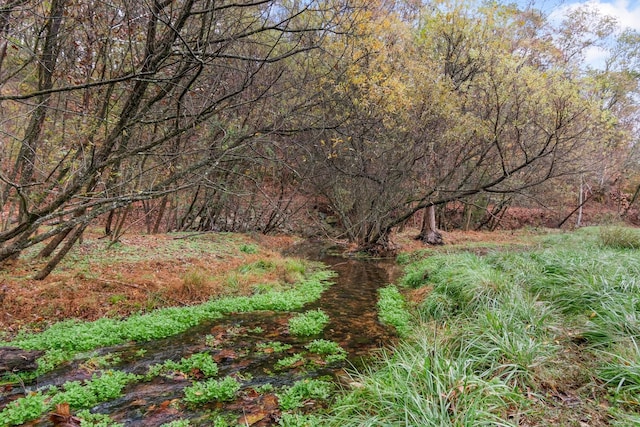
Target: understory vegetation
496, 335
75, 340
541, 337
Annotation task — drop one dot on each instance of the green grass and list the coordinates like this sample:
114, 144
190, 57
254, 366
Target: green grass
619, 237
423, 383
497, 331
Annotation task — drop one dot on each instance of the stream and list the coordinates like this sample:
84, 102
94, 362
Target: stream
237, 342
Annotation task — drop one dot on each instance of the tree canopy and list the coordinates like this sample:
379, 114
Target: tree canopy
237, 116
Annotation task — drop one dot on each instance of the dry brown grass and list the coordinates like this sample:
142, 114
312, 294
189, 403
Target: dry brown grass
145, 272
142, 273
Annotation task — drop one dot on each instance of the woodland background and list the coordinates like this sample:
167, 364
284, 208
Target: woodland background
346, 119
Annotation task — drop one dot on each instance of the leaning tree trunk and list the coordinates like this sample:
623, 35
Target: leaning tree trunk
429, 233
71, 240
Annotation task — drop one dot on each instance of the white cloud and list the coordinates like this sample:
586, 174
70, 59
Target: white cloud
595, 56
626, 12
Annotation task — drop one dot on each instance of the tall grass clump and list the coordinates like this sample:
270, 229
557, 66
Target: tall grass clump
621, 372
423, 384
493, 321
514, 339
462, 283
619, 237
506, 326
194, 281
578, 281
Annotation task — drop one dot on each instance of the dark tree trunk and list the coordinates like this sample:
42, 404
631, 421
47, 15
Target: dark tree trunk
25, 165
163, 208
71, 240
53, 244
429, 233
380, 246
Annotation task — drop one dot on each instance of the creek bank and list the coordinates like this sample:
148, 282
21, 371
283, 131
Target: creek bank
243, 345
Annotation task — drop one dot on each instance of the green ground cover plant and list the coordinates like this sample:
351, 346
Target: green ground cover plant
79, 395
197, 364
393, 310
294, 397
89, 419
299, 420
272, 347
289, 361
309, 323
212, 391
332, 351
65, 339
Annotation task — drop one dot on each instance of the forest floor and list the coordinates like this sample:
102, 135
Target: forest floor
538, 312
143, 272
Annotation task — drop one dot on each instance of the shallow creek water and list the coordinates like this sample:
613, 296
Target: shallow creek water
234, 343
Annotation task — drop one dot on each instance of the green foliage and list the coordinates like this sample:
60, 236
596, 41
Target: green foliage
496, 325
258, 266
64, 339
273, 347
293, 265
462, 283
330, 349
299, 420
295, 396
249, 248
289, 361
196, 364
101, 388
116, 299
621, 372
194, 279
501, 339
392, 310
212, 391
309, 323
87, 419
104, 361
265, 388
24, 409
423, 384
177, 423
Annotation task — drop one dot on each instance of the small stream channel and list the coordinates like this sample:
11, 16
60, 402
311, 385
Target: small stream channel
235, 344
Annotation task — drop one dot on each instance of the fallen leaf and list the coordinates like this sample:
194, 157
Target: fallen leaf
252, 418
